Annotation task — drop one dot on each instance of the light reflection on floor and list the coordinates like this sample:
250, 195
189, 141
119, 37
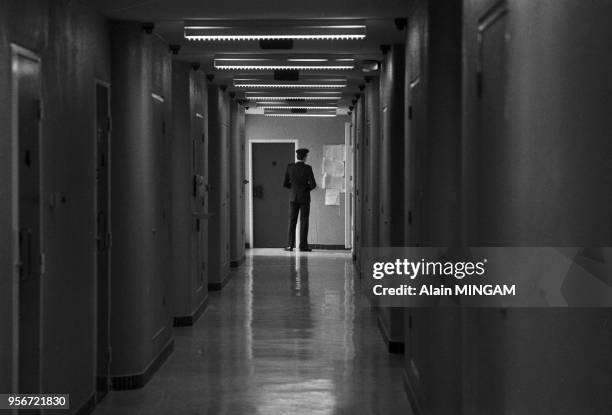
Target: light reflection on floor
290, 334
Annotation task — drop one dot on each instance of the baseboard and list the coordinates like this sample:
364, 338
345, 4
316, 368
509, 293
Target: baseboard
238, 262
88, 407
330, 247
218, 286
410, 393
185, 321
141, 379
393, 346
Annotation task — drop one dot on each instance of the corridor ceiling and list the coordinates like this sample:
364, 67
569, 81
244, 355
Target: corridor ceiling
169, 17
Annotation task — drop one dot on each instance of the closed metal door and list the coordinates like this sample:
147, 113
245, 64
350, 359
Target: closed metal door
270, 199
28, 106
103, 239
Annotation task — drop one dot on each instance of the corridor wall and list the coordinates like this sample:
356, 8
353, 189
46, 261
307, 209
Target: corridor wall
237, 184
219, 186
536, 168
72, 43
141, 322
189, 194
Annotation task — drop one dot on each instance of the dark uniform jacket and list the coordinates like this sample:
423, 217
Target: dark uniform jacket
300, 179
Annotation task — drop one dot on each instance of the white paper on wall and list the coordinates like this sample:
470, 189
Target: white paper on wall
333, 167
333, 182
332, 197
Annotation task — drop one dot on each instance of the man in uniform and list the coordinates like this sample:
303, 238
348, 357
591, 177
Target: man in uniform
300, 180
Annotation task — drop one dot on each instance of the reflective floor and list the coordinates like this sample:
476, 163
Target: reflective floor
289, 334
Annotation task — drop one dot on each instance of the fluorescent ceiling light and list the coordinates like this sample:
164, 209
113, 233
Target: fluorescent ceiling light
327, 104
290, 98
301, 107
300, 115
307, 60
256, 85
219, 30
281, 61
280, 67
308, 81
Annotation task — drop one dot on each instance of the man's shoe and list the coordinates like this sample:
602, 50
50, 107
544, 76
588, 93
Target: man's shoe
305, 250
289, 249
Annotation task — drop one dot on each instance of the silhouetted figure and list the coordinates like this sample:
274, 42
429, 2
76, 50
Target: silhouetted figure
300, 179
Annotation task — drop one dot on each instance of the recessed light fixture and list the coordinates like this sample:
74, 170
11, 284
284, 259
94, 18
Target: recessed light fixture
299, 115
305, 82
283, 62
219, 30
240, 85
307, 60
302, 84
289, 107
291, 98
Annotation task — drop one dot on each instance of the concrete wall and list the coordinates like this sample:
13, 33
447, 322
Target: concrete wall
140, 312
326, 222
548, 171
73, 45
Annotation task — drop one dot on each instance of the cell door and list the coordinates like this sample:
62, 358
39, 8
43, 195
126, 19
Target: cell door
161, 235
492, 156
199, 204
414, 222
492, 146
103, 238
270, 200
28, 111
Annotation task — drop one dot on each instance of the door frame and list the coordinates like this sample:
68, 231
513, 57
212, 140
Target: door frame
17, 50
249, 157
98, 82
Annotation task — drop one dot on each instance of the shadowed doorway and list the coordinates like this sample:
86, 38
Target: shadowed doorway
270, 200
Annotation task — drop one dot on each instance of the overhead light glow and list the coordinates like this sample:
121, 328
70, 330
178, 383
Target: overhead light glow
283, 62
300, 107
239, 85
300, 115
280, 67
219, 30
307, 60
291, 98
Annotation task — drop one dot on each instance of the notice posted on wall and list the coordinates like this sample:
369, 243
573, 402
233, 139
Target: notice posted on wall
333, 171
332, 197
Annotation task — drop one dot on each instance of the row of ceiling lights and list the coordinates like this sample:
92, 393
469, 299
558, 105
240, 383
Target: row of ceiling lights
294, 90
209, 30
